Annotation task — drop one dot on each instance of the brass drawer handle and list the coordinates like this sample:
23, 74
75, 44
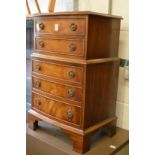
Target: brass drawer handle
37, 101
69, 114
37, 84
41, 26
41, 44
37, 67
73, 27
71, 74
71, 93
72, 47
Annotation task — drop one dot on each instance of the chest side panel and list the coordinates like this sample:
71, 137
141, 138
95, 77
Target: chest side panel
101, 92
103, 37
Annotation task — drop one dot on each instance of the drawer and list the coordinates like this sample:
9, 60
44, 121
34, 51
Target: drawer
61, 46
59, 71
60, 26
56, 109
56, 89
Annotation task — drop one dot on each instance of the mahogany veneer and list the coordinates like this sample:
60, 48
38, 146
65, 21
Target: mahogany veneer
75, 74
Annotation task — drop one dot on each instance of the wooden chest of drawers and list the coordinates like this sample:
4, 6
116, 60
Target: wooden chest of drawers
75, 74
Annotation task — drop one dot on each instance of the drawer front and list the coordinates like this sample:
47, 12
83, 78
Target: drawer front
56, 109
56, 89
59, 71
60, 26
61, 46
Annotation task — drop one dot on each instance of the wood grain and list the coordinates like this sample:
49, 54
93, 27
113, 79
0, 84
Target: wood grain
101, 92
88, 73
98, 36
73, 61
60, 26
56, 109
58, 71
57, 89
60, 46
103, 34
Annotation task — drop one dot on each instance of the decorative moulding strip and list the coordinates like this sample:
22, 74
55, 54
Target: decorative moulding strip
75, 61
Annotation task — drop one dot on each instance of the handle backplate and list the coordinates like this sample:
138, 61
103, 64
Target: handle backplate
41, 26
70, 114
71, 74
73, 27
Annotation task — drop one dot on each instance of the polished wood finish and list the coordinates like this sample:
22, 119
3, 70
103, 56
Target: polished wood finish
56, 109
60, 25
69, 128
56, 89
96, 36
75, 61
101, 89
79, 13
81, 144
57, 70
75, 74
60, 46
103, 34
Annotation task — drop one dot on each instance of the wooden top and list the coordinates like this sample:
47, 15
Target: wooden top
77, 13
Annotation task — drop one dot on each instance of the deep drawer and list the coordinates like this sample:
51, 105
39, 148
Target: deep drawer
73, 47
56, 109
56, 89
59, 71
60, 26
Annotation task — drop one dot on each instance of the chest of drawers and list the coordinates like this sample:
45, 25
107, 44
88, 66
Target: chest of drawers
75, 74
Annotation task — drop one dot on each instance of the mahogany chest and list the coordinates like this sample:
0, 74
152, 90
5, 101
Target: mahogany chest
75, 74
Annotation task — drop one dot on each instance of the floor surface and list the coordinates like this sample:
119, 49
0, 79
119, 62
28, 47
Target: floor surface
50, 140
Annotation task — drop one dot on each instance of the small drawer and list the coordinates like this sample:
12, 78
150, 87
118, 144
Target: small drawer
60, 46
58, 71
56, 89
60, 26
56, 109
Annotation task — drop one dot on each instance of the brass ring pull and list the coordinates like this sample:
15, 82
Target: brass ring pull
37, 67
71, 93
37, 84
69, 114
37, 101
73, 27
72, 47
71, 74
41, 44
41, 26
